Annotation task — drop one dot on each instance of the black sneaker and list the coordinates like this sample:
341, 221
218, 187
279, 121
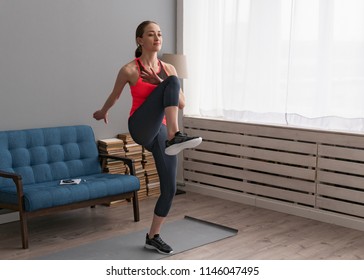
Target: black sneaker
181, 141
156, 243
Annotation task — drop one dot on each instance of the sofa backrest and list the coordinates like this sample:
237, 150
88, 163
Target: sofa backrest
47, 154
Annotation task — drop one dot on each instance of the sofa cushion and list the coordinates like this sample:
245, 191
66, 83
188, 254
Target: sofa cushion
50, 194
48, 154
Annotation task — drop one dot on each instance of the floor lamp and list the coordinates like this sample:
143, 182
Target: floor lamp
179, 62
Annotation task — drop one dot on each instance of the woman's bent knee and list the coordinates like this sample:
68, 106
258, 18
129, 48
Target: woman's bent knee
173, 80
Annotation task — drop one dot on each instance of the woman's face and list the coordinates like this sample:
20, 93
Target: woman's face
152, 38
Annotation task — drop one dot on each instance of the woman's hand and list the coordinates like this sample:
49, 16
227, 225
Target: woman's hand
150, 77
100, 115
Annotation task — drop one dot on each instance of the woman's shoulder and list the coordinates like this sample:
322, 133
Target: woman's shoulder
130, 66
128, 73
129, 70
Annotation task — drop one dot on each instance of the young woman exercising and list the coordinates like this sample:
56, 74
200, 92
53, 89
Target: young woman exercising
153, 120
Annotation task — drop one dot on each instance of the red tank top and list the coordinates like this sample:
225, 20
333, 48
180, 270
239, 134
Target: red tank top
141, 90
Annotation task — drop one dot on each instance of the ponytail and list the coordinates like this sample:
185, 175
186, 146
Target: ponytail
138, 51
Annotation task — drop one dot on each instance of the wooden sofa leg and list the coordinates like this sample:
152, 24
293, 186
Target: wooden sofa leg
136, 207
24, 230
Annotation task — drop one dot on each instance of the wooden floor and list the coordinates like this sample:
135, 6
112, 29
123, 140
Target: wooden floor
263, 234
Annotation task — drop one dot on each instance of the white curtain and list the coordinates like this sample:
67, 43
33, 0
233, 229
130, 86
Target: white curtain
295, 62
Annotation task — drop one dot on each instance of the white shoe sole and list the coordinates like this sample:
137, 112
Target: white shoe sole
176, 148
150, 247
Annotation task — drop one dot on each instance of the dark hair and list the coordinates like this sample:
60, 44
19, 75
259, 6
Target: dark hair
139, 33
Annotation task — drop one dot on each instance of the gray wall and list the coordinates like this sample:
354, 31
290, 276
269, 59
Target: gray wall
59, 59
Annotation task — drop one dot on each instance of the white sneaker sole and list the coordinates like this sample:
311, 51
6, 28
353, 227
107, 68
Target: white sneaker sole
150, 247
176, 148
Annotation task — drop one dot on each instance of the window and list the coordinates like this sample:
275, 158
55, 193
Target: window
295, 62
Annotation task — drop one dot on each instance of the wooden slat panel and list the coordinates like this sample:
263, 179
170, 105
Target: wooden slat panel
340, 206
280, 194
341, 152
255, 141
280, 163
238, 185
341, 166
340, 179
279, 169
252, 176
286, 195
341, 193
285, 132
262, 154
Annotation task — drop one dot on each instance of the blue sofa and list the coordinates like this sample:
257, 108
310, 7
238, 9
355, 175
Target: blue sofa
34, 161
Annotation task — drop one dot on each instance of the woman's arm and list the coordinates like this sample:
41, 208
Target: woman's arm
121, 80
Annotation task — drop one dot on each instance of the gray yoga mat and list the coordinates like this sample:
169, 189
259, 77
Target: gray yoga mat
182, 235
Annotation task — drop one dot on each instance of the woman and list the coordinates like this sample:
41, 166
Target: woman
153, 120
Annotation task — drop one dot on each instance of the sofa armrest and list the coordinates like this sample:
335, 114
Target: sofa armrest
17, 179
129, 162
10, 175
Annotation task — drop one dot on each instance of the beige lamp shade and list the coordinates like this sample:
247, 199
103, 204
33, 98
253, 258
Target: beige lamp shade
179, 62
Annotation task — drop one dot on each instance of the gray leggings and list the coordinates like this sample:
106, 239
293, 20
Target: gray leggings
146, 128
